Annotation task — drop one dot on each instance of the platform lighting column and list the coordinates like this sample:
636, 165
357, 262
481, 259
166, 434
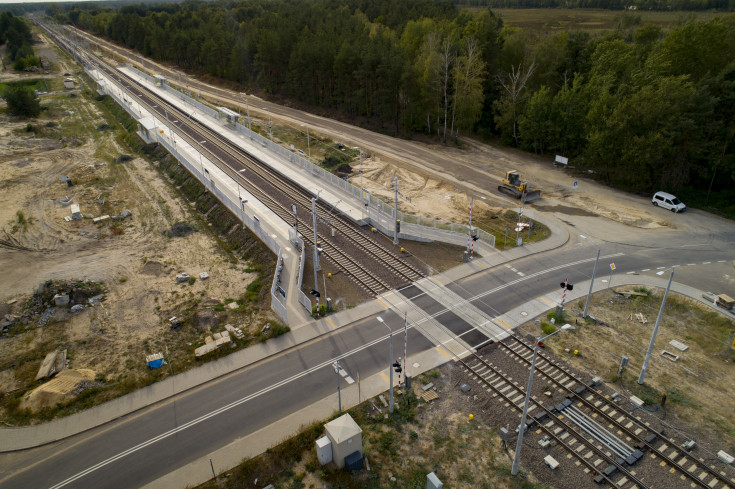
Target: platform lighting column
201, 148
655, 328
390, 362
395, 212
522, 428
594, 271
316, 254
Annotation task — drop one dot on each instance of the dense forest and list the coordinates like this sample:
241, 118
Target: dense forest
642, 108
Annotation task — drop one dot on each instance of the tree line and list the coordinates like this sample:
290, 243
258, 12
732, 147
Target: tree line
662, 5
16, 35
642, 108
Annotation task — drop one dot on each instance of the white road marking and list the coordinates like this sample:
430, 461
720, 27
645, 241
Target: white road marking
327, 363
660, 268
521, 274
721, 261
646, 270
706, 263
691, 264
630, 273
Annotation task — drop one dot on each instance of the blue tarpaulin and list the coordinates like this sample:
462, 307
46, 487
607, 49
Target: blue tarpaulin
154, 361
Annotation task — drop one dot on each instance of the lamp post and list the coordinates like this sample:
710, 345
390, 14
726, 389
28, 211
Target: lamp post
522, 428
390, 362
658, 322
339, 383
201, 148
594, 271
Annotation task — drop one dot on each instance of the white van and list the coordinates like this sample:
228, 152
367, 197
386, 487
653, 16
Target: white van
668, 201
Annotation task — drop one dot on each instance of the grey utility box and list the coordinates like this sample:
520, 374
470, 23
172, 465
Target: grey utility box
433, 482
346, 438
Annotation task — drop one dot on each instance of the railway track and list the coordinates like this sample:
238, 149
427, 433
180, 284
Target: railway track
229, 157
604, 438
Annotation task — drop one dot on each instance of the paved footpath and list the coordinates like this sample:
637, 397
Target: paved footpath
12, 439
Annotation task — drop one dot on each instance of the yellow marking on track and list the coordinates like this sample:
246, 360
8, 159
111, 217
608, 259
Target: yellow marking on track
439, 281
385, 377
547, 301
385, 306
331, 321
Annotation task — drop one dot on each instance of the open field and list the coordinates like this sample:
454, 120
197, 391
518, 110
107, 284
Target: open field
697, 386
591, 19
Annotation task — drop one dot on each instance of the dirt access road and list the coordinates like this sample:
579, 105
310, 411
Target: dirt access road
438, 179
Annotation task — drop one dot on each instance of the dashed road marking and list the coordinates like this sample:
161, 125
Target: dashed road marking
691, 264
645, 270
706, 262
521, 274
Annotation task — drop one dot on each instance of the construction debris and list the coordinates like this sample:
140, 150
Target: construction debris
182, 277
627, 293
429, 396
211, 344
237, 332
669, 356
54, 363
639, 316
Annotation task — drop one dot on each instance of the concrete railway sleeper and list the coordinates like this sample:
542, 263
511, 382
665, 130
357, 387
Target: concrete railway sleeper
491, 377
359, 273
645, 436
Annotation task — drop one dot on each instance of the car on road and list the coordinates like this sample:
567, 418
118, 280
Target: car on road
668, 201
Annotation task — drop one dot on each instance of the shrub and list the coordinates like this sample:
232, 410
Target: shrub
21, 101
547, 328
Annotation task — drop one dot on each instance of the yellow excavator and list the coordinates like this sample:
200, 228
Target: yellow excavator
513, 185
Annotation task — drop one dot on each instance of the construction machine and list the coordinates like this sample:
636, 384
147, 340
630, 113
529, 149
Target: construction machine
513, 185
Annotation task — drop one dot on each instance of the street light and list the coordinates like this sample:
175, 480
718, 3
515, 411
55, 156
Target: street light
594, 271
339, 383
522, 428
655, 328
390, 361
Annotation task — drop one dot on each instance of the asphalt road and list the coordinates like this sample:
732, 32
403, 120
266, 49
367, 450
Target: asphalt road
146, 445
143, 446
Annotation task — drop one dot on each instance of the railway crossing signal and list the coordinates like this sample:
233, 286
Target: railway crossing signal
567, 285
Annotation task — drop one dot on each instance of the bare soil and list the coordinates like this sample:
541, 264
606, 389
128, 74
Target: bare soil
697, 386
134, 260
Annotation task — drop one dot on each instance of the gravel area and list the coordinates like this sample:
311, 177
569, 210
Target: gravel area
570, 473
